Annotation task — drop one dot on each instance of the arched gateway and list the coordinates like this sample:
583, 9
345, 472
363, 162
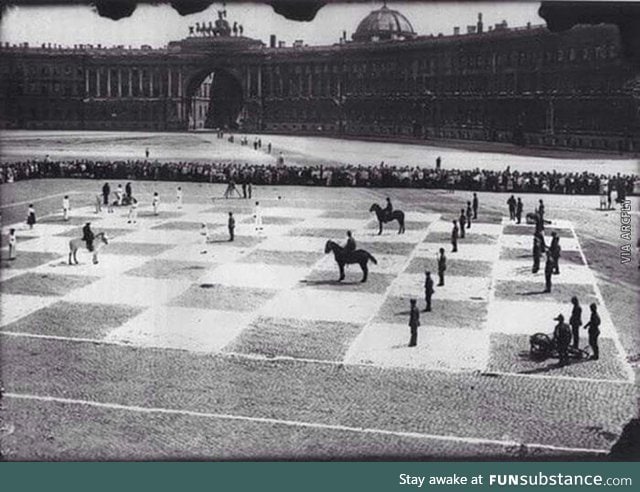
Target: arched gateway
525, 85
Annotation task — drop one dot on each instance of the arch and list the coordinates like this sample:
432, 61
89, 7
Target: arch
218, 93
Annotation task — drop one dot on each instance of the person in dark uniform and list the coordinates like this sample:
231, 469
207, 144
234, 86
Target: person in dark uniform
231, 224
414, 322
575, 320
541, 213
475, 206
511, 202
388, 210
454, 237
548, 272
538, 249
562, 337
463, 222
554, 249
438, 163
428, 290
106, 190
519, 211
127, 191
594, 331
442, 267
244, 188
468, 215
88, 236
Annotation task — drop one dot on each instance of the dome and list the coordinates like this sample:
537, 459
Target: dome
384, 24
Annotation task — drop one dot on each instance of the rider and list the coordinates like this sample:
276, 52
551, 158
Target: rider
388, 210
88, 236
562, 337
350, 247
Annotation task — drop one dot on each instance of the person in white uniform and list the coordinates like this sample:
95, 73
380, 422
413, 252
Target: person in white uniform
257, 215
66, 206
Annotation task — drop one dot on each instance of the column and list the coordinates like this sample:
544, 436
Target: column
86, 82
180, 83
151, 73
248, 82
130, 88
259, 81
108, 82
119, 82
310, 83
140, 88
169, 83
98, 82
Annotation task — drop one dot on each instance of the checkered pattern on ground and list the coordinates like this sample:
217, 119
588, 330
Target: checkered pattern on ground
274, 293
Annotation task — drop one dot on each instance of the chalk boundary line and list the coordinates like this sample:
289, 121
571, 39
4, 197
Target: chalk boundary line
308, 425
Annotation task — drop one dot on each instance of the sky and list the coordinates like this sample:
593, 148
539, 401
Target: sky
159, 24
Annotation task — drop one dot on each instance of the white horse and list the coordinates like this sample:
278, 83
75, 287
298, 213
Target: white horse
75, 244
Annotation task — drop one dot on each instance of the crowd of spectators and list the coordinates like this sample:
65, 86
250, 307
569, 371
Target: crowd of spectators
380, 175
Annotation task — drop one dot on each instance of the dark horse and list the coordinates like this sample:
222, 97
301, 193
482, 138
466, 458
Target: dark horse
343, 258
382, 218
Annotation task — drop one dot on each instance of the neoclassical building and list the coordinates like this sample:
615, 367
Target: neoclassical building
524, 85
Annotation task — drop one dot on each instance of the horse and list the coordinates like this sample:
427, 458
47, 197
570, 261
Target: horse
343, 258
75, 244
382, 218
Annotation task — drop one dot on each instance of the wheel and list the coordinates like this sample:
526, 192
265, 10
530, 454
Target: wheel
540, 345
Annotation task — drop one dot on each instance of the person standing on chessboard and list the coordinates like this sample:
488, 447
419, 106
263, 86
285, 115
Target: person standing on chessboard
66, 206
155, 203
13, 242
31, 216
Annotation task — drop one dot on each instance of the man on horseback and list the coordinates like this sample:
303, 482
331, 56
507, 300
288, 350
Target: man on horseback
388, 210
350, 246
88, 236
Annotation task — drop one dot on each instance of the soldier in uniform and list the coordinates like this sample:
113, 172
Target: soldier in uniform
519, 211
414, 322
350, 245
511, 202
31, 216
541, 213
454, 237
442, 267
562, 337
106, 190
463, 222
88, 236
575, 321
155, 203
128, 191
594, 331
475, 206
231, 224
428, 290
548, 272
468, 215
388, 210
554, 249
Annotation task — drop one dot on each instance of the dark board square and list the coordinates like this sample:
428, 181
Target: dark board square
470, 238
292, 258
377, 283
487, 218
26, 259
335, 234
44, 284
136, 249
73, 220
223, 297
238, 241
111, 232
162, 214
323, 340
75, 320
512, 290
170, 269
463, 268
510, 353
386, 248
231, 205
445, 313
4, 239
179, 226
529, 230
525, 254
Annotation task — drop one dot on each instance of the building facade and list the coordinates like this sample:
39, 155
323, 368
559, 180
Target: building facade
526, 85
